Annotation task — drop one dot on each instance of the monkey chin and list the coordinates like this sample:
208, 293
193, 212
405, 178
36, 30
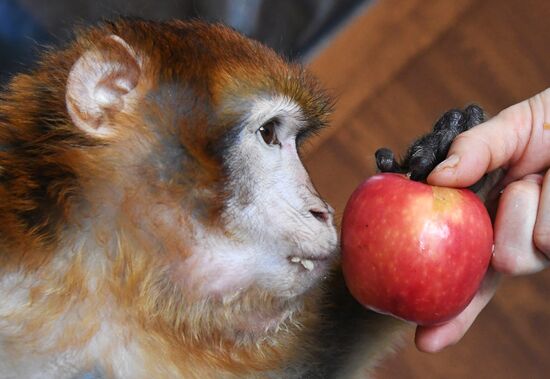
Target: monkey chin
246, 305
310, 271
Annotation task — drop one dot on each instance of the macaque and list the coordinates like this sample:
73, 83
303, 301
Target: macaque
156, 220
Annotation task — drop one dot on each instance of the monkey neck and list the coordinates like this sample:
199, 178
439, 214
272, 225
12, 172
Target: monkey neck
260, 330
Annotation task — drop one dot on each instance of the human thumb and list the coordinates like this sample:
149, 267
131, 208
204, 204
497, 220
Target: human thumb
497, 143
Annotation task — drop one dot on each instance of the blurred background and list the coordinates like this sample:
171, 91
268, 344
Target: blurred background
394, 66
290, 27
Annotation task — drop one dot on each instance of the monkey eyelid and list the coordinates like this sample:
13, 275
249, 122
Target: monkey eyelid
275, 120
270, 127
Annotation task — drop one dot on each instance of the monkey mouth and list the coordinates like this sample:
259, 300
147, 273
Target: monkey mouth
309, 263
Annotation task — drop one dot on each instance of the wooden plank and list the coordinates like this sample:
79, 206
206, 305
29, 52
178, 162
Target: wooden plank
376, 46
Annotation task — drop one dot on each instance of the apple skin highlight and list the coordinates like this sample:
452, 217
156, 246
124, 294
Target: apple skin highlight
415, 251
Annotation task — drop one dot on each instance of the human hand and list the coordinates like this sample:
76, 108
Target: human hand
518, 140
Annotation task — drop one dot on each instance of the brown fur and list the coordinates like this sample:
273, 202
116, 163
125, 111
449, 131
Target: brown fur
54, 183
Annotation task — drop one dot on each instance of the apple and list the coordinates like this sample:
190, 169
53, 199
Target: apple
412, 250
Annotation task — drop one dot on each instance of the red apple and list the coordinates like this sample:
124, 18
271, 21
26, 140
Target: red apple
412, 250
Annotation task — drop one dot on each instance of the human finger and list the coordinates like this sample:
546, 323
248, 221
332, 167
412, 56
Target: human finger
518, 137
541, 234
515, 252
431, 339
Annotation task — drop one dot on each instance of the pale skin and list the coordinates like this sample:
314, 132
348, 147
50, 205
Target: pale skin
517, 140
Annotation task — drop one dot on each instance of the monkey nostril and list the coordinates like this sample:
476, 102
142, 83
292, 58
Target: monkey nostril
319, 215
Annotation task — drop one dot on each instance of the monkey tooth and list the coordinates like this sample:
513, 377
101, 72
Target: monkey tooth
306, 263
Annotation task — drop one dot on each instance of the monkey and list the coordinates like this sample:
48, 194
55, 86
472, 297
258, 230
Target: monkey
156, 220
433, 147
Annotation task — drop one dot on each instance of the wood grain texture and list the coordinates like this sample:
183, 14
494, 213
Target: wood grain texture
396, 68
378, 44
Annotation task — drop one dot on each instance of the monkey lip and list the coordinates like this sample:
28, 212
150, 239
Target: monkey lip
309, 262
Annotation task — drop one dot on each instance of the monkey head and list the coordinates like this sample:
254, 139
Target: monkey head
178, 145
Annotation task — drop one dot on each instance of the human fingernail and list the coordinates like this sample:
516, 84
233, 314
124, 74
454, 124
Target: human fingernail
449, 163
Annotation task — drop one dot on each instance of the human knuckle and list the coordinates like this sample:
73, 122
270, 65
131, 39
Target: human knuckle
515, 261
502, 262
462, 139
521, 189
539, 107
516, 114
545, 99
541, 238
546, 95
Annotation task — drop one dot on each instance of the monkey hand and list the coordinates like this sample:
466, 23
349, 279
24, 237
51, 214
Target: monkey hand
431, 149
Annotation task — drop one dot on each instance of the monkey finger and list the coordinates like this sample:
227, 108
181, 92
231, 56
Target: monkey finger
541, 234
515, 252
385, 160
431, 339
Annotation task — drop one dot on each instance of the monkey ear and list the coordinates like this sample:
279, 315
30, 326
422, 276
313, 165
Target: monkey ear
101, 84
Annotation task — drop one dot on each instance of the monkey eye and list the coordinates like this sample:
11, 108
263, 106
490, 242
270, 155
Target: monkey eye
267, 131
